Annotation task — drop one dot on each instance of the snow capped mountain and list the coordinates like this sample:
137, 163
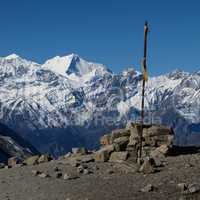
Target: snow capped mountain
12, 56
78, 70
68, 101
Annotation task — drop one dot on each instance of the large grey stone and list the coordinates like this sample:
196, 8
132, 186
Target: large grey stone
118, 156
121, 143
103, 154
109, 138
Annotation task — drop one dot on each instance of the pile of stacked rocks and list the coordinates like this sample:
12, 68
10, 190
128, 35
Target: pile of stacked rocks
123, 144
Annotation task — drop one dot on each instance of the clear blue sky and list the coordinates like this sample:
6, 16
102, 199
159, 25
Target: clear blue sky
106, 31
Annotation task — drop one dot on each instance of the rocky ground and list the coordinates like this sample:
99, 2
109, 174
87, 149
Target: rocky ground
101, 180
110, 173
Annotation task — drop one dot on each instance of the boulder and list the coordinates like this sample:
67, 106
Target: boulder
87, 171
79, 150
118, 156
147, 188
80, 169
35, 172
70, 176
13, 161
193, 188
148, 166
43, 175
182, 187
68, 155
121, 143
109, 138
44, 158
105, 140
161, 151
33, 160
134, 131
74, 162
103, 154
157, 135
189, 188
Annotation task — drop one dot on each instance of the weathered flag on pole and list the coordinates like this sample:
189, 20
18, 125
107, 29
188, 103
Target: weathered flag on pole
144, 62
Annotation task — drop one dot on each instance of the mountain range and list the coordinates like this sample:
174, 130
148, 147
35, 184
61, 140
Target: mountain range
68, 101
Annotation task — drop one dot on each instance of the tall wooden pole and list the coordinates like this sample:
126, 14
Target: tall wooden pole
145, 77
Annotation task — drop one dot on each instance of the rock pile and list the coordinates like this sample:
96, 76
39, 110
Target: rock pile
123, 144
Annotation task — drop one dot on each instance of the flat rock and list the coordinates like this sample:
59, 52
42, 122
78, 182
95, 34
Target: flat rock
118, 156
70, 176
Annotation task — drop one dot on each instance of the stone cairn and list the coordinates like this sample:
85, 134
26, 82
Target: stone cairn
123, 144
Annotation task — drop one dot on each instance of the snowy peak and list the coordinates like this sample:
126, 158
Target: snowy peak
177, 74
130, 71
12, 56
72, 64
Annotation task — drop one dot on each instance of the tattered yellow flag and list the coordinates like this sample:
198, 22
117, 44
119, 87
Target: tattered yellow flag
144, 70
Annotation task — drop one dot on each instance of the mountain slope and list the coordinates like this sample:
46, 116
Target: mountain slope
11, 144
68, 101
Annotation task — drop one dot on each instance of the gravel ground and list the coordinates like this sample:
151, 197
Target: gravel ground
105, 183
